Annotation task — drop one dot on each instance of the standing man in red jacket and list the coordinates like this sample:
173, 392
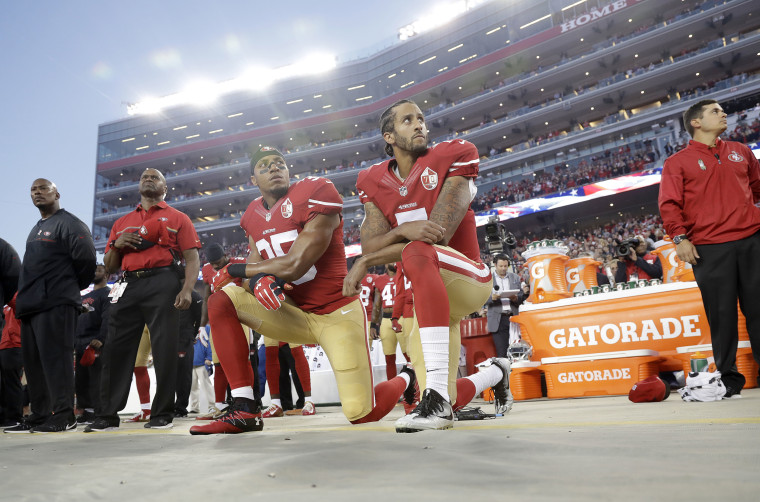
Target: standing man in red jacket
707, 203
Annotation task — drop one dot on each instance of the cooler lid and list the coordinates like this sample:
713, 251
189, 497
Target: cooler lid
600, 355
526, 364
694, 348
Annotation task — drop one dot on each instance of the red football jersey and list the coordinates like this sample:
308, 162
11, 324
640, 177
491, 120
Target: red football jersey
413, 198
273, 230
368, 286
208, 272
385, 285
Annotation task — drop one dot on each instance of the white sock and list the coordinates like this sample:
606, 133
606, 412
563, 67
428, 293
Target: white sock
145, 406
435, 351
246, 392
277, 402
90, 410
220, 406
485, 378
406, 378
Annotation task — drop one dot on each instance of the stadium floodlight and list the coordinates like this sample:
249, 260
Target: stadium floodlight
200, 93
254, 79
441, 15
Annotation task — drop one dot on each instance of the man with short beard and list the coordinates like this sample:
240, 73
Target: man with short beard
147, 244
58, 263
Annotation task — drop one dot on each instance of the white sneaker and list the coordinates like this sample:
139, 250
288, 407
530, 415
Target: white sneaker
433, 413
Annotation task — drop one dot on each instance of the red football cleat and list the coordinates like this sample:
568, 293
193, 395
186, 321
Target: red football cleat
243, 416
272, 412
143, 416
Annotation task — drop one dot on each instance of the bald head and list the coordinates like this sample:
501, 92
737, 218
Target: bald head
152, 184
45, 196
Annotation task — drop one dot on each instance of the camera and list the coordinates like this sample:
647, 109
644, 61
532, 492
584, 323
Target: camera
624, 248
497, 238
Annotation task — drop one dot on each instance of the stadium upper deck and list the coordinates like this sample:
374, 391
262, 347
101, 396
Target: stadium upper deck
527, 82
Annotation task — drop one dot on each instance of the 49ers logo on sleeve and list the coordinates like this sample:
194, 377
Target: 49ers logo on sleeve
735, 157
287, 208
429, 179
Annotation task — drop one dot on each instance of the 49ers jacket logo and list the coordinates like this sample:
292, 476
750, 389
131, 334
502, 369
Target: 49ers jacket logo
735, 157
429, 179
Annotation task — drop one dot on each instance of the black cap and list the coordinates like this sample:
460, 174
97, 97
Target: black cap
214, 252
264, 151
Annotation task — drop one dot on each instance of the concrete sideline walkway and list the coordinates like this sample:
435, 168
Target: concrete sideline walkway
602, 448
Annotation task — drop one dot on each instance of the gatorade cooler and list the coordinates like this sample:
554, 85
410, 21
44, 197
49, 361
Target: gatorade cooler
546, 264
580, 274
525, 380
606, 373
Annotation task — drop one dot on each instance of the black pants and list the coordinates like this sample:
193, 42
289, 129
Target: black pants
501, 337
87, 381
47, 342
184, 375
725, 272
288, 371
150, 301
11, 391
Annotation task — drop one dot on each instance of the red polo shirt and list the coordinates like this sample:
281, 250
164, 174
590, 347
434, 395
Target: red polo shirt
709, 194
175, 232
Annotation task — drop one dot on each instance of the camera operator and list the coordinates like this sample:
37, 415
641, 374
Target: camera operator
637, 263
501, 309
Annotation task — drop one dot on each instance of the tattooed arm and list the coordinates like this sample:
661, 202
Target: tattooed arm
381, 244
451, 206
377, 235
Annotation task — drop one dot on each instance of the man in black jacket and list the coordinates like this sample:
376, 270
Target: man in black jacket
189, 324
92, 328
59, 262
10, 267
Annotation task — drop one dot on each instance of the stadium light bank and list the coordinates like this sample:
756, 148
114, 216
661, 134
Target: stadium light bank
256, 79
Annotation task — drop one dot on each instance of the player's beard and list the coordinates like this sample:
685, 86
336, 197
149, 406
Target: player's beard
279, 192
408, 145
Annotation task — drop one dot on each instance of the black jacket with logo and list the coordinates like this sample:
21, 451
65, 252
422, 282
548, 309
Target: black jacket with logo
58, 263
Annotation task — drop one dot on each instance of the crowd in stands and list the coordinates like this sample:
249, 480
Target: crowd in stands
488, 121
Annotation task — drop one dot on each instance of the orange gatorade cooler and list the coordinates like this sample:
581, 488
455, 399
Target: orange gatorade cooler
525, 380
580, 274
545, 261
607, 373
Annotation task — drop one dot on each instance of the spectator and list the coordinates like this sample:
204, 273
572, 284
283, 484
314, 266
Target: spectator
639, 263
